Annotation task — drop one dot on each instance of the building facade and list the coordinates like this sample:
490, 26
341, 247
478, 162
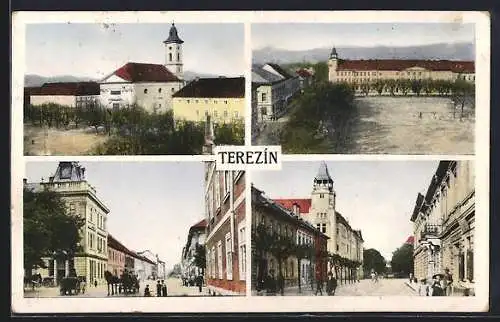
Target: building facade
305, 77
320, 211
196, 238
81, 199
226, 241
276, 87
143, 267
150, 86
120, 258
223, 99
369, 71
285, 224
443, 221
70, 94
150, 264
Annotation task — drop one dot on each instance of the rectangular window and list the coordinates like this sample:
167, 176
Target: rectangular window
318, 226
227, 182
217, 188
242, 251
229, 258
116, 92
219, 259
226, 113
323, 228
263, 97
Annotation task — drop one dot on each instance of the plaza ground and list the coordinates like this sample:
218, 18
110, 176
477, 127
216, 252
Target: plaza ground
174, 288
365, 287
45, 141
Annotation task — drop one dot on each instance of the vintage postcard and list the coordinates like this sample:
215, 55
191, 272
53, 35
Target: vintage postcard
250, 162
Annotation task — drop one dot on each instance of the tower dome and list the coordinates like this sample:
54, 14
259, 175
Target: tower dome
333, 54
173, 37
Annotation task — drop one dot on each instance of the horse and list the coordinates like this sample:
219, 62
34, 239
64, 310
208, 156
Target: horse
112, 281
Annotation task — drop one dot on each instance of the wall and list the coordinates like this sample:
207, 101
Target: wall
65, 100
222, 110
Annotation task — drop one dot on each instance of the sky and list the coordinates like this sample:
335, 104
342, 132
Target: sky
152, 204
96, 50
377, 197
301, 36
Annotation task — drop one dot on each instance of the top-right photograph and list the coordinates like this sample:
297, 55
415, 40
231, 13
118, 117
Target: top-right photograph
364, 88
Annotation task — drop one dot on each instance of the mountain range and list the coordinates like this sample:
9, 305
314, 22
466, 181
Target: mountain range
445, 51
32, 80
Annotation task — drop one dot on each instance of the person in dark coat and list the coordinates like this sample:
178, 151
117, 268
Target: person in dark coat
331, 285
199, 282
163, 288
147, 293
319, 286
158, 288
270, 283
281, 284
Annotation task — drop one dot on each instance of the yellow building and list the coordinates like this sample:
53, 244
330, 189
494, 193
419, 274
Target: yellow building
443, 222
223, 99
372, 70
81, 199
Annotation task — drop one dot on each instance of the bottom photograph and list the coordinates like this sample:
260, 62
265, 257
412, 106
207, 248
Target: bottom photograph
148, 229
364, 228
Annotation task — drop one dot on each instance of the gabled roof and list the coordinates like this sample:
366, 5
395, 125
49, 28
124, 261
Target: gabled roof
280, 70
400, 65
221, 87
304, 204
65, 89
303, 73
202, 224
141, 72
262, 76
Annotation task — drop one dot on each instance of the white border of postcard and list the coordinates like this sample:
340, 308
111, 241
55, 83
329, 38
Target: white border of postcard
251, 303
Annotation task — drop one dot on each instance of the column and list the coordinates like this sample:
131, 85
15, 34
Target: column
55, 271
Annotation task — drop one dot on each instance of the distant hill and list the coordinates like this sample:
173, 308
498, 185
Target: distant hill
458, 51
32, 80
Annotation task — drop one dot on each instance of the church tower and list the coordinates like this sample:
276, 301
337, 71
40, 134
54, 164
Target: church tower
322, 211
173, 53
333, 65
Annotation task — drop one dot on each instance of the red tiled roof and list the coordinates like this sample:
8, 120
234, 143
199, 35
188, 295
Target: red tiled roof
222, 87
410, 240
399, 65
304, 204
202, 224
139, 72
115, 244
303, 73
66, 89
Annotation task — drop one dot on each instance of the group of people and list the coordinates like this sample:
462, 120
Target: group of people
439, 285
161, 289
193, 281
273, 285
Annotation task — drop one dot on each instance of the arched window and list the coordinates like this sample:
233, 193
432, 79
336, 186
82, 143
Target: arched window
178, 56
169, 56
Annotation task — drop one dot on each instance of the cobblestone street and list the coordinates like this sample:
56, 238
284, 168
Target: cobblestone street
174, 288
364, 288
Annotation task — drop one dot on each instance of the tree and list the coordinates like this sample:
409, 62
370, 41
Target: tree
462, 94
392, 86
416, 86
321, 72
404, 85
200, 260
402, 259
48, 228
372, 259
365, 88
379, 86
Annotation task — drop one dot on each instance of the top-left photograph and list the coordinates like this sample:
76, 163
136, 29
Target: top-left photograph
132, 89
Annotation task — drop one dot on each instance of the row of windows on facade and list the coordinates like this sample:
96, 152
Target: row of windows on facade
447, 195
100, 245
196, 101
280, 90
215, 113
352, 73
116, 256
170, 57
215, 257
119, 92
285, 230
94, 218
214, 190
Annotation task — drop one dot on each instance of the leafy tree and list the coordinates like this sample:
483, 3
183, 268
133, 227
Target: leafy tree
321, 72
402, 259
200, 260
48, 227
392, 86
379, 86
404, 85
372, 259
365, 88
462, 94
428, 86
416, 86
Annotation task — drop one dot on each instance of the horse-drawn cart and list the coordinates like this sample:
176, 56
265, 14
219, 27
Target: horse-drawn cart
70, 286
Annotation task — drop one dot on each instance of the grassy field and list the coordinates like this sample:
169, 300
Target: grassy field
40, 141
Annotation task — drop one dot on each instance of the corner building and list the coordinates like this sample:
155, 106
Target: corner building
320, 211
81, 199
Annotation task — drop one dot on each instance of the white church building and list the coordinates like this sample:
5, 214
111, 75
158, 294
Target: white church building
150, 86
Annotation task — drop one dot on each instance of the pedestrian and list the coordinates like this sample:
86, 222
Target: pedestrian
199, 282
448, 282
437, 289
319, 286
147, 293
163, 288
331, 284
411, 277
423, 288
95, 283
281, 284
158, 288
270, 283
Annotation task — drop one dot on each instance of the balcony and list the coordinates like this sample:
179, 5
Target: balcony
430, 234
